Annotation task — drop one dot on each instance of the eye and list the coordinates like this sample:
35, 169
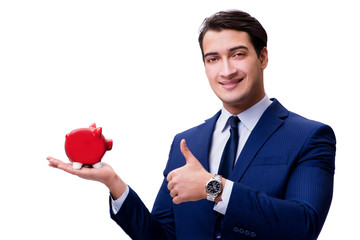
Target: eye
239, 54
211, 59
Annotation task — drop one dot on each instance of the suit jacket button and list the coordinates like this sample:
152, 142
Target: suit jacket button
241, 231
235, 229
247, 233
253, 234
218, 235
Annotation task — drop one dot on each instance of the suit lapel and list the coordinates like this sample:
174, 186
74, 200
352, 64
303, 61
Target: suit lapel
201, 145
270, 121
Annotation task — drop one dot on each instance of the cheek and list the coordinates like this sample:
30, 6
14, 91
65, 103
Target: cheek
211, 76
211, 73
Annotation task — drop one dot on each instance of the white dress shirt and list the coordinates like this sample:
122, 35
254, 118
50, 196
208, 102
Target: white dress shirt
248, 120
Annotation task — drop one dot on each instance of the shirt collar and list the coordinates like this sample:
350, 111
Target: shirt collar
249, 117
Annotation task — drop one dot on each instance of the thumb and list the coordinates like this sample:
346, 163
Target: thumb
186, 152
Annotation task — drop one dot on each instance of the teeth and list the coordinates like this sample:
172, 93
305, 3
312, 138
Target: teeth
232, 82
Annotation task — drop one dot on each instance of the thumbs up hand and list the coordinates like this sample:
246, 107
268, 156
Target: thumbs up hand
187, 183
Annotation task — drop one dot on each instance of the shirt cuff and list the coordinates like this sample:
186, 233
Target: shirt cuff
116, 204
221, 206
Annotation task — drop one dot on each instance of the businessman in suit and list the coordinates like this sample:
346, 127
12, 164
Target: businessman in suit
253, 171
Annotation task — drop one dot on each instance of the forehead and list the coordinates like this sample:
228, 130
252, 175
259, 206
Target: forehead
217, 41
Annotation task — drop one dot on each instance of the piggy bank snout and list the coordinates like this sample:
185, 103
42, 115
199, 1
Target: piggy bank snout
109, 144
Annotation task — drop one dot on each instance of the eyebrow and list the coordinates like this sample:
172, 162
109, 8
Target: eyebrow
230, 50
238, 47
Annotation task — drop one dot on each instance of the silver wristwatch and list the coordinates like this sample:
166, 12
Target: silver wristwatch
213, 188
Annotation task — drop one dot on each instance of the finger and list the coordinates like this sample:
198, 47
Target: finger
173, 193
67, 167
186, 151
53, 162
177, 200
169, 176
170, 186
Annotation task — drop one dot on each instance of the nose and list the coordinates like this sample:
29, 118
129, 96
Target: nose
228, 70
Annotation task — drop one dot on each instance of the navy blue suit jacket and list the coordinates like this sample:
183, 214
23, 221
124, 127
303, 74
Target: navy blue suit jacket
283, 184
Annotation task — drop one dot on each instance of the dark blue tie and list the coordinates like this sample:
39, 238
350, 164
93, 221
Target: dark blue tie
229, 153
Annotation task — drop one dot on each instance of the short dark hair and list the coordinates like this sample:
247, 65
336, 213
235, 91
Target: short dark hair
235, 20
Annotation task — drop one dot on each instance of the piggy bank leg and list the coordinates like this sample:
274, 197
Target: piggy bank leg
97, 165
77, 165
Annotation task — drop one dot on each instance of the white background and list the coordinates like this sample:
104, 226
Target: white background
135, 68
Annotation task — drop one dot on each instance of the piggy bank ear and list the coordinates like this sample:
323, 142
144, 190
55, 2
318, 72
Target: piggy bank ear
67, 135
93, 125
97, 132
109, 144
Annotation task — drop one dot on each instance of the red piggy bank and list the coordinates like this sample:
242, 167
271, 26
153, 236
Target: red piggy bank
86, 146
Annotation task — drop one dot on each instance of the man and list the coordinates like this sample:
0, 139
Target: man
277, 167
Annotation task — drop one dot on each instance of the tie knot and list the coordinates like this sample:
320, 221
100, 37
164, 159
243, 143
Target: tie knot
233, 121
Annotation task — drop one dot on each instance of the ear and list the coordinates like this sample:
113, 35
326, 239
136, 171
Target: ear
97, 132
93, 125
264, 58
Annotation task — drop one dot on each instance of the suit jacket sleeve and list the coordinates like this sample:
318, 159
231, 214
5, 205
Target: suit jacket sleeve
136, 220
301, 212
139, 223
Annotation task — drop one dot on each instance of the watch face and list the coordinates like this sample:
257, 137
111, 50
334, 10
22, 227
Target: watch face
213, 187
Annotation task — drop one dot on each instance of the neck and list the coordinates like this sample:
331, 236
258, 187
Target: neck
236, 109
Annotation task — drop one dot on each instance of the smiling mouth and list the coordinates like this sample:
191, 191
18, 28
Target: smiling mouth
229, 84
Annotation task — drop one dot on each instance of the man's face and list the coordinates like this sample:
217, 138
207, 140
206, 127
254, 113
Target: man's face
234, 70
